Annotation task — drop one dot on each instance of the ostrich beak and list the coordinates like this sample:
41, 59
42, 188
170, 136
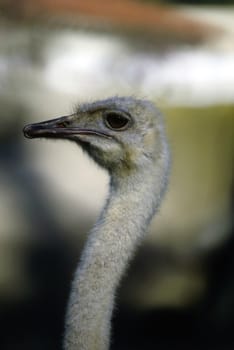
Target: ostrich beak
58, 128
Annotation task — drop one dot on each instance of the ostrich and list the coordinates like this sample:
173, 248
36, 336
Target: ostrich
125, 136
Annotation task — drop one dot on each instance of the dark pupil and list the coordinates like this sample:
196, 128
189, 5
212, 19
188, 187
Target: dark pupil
116, 121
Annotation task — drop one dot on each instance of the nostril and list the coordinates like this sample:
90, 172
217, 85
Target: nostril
62, 124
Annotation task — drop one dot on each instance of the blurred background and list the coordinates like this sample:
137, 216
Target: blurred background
179, 290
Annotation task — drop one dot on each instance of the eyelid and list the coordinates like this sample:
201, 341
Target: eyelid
120, 113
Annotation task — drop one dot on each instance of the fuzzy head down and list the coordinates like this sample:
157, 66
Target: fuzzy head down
120, 133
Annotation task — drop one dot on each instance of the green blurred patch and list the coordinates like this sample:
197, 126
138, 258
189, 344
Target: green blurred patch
201, 182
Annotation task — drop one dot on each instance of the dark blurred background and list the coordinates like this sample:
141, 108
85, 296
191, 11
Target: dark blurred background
179, 290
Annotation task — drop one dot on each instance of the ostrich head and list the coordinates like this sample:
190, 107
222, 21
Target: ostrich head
120, 133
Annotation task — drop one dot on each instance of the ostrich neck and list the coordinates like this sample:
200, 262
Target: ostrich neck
121, 225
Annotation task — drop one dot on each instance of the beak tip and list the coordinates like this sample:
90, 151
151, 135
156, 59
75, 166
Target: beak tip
26, 131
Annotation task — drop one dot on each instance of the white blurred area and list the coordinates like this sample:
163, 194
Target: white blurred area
85, 64
95, 64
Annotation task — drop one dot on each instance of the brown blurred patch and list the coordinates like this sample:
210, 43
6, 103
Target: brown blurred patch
120, 14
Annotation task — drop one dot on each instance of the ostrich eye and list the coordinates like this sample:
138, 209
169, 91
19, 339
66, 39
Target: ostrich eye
116, 120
